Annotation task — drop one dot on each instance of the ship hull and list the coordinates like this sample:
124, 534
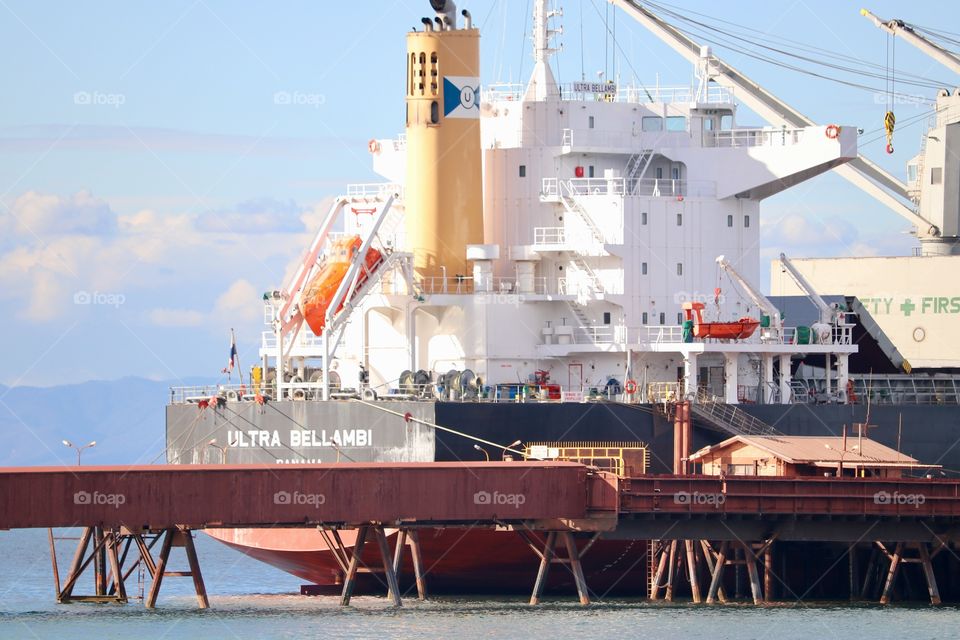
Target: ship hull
462, 561
455, 561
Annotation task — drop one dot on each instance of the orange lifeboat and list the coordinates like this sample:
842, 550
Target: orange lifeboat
737, 330
319, 293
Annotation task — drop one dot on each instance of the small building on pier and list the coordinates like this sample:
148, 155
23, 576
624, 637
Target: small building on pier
794, 456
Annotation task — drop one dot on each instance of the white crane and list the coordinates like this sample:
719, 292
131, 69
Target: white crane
828, 314
902, 29
866, 175
776, 321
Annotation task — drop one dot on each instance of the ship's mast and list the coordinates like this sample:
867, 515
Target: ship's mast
543, 85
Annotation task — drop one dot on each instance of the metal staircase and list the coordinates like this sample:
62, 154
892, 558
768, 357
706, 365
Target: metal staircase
573, 206
728, 418
637, 167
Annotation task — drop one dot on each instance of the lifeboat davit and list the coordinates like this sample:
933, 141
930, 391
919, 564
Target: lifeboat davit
319, 293
736, 330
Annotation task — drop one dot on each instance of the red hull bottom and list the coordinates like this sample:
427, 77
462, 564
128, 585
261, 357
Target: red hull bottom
456, 561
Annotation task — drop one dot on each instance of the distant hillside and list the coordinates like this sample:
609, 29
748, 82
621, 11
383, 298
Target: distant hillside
125, 417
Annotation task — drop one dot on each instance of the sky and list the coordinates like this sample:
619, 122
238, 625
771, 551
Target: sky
164, 164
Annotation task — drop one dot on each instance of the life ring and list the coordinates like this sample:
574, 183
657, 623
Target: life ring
833, 131
373, 146
630, 386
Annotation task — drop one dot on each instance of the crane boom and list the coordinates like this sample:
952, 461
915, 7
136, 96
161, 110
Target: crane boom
758, 298
863, 173
827, 314
905, 31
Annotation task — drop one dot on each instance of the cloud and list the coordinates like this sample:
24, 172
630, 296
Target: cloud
236, 306
80, 213
260, 215
239, 303
80, 244
41, 138
176, 318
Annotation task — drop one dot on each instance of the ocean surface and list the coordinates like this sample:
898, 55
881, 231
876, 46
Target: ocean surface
253, 600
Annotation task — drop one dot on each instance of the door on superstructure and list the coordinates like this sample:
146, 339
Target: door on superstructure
575, 377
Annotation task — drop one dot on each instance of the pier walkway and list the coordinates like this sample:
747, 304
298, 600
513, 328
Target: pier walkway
125, 511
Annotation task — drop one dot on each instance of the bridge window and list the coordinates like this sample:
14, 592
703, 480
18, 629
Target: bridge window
590, 171
652, 123
726, 122
676, 123
675, 172
659, 173
606, 317
663, 318
741, 470
523, 171
645, 318
680, 317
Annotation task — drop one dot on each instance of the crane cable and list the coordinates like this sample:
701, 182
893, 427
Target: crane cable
890, 120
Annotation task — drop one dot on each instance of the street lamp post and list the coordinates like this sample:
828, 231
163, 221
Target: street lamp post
486, 454
503, 454
842, 453
79, 450
223, 450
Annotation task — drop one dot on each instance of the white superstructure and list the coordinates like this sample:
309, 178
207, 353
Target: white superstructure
605, 207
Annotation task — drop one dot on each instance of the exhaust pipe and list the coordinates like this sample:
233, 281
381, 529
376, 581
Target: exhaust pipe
427, 24
467, 20
446, 11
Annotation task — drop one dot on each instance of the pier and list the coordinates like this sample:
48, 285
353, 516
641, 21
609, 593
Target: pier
707, 524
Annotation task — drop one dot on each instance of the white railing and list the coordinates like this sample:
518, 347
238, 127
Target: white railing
305, 338
544, 236
662, 333
381, 190
766, 137
649, 187
629, 93
496, 285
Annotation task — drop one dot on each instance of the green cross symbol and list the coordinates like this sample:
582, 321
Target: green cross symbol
907, 307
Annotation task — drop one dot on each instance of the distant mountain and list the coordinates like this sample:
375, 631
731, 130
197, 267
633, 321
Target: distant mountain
125, 417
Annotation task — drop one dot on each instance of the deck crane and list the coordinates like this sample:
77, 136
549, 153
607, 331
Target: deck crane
828, 314
863, 173
902, 29
776, 321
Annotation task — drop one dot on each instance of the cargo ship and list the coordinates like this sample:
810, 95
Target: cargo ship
537, 276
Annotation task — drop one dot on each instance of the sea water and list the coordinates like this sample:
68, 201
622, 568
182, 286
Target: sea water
252, 600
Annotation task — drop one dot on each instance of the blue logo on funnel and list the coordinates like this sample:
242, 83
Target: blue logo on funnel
461, 97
